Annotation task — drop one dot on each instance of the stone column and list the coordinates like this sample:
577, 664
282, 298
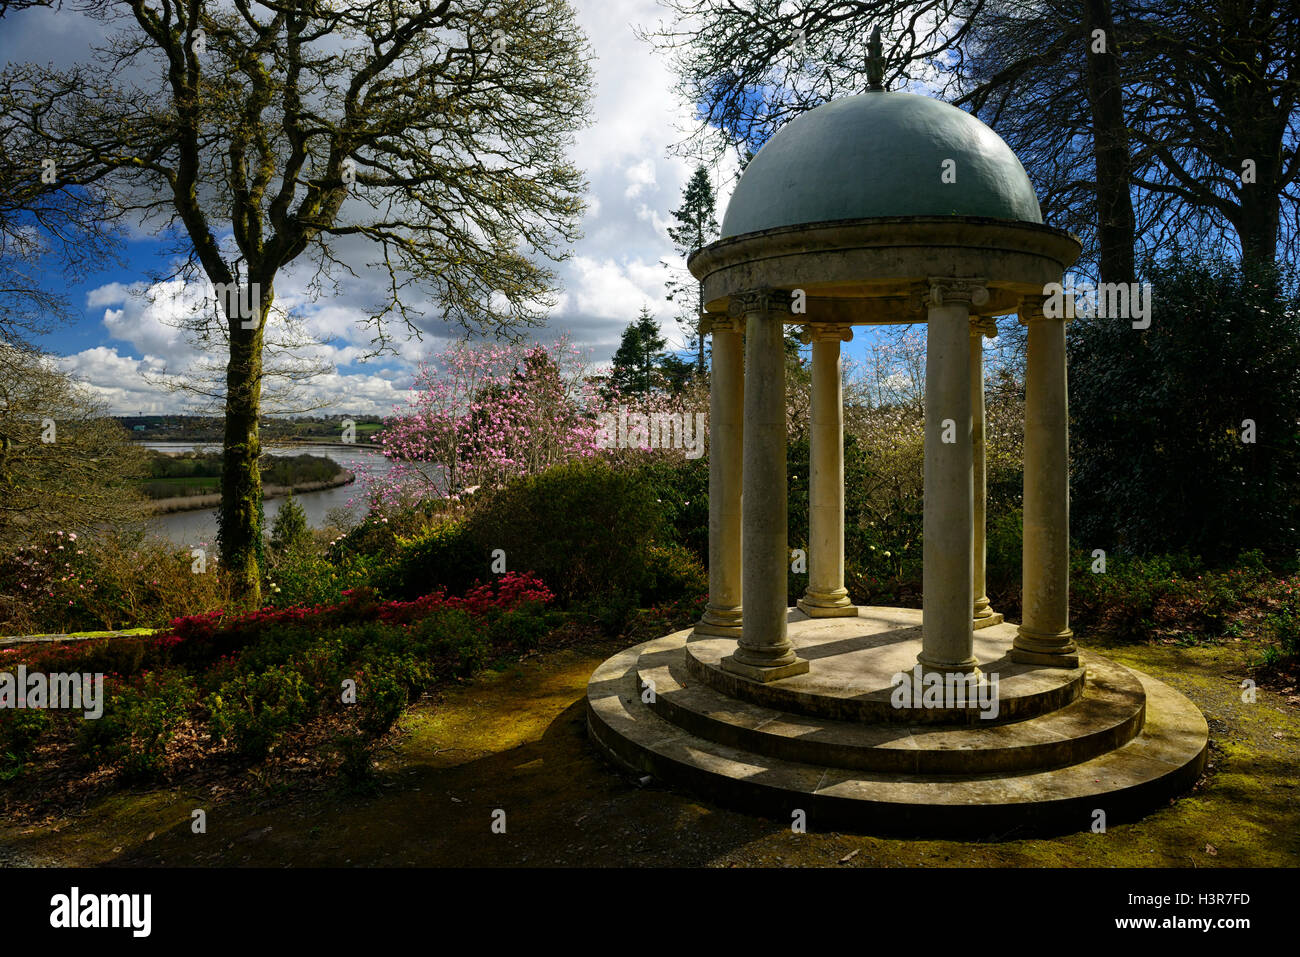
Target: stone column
979, 328
726, 428
826, 596
1045, 637
947, 635
764, 652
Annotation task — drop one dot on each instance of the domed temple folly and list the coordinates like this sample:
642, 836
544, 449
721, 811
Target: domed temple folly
873, 209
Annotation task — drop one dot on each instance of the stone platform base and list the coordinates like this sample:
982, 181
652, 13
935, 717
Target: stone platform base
1026, 750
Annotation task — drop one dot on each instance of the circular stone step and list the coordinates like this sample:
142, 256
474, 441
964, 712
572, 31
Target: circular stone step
1108, 715
854, 661
1164, 759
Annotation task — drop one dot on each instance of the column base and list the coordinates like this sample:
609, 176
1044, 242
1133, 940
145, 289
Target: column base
988, 620
970, 666
1053, 650
720, 623
764, 673
818, 605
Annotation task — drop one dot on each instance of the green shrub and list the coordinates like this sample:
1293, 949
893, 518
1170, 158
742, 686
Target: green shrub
356, 760
584, 528
381, 696
453, 643
521, 629
252, 711
304, 578
1281, 630
1121, 602
1165, 470
20, 731
289, 532
442, 554
116, 580
672, 572
681, 490
138, 723
610, 612
1004, 545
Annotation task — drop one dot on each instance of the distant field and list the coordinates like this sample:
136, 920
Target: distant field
188, 474
172, 486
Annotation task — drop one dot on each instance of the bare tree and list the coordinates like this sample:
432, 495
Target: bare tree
41, 231
1134, 118
1216, 124
256, 132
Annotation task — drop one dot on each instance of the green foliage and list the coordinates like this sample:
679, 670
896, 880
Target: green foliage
298, 469
1163, 596
109, 580
254, 710
583, 527
522, 628
381, 697
681, 491
304, 578
1004, 544
138, 723
20, 732
452, 644
442, 554
199, 473
356, 760
673, 573
638, 356
289, 532
1281, 629
1157, 418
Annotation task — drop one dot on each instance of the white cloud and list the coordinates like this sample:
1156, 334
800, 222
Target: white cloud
615, 268
639, 176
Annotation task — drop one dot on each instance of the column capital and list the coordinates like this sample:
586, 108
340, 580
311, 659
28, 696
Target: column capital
1032, 309
826, 332
986, 327
711, 322
763, 300
950, 290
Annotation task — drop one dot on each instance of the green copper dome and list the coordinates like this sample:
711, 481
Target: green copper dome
880, 154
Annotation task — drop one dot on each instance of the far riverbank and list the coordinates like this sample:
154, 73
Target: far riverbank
190, 503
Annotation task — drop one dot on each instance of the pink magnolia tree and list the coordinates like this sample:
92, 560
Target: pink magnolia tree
485, 413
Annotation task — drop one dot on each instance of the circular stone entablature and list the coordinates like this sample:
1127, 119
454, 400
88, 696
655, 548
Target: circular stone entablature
878, 270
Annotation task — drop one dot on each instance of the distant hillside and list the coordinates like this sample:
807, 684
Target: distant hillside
198, 428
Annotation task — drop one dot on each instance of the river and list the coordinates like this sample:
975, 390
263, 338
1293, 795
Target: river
199, 527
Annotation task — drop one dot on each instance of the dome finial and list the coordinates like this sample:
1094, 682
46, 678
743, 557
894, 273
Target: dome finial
875, 61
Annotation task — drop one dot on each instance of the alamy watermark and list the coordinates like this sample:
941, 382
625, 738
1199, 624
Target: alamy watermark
655, 430
1106, 300
950, 690
60, 691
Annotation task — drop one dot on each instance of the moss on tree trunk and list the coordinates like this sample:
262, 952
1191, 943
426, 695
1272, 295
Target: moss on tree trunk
240, 517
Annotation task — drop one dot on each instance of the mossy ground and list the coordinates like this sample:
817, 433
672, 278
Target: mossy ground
515, 740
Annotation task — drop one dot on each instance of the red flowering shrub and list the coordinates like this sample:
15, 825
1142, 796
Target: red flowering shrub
198, 641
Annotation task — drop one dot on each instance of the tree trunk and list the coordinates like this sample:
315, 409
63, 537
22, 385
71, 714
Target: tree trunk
1258, 223
1115, 220
240, 517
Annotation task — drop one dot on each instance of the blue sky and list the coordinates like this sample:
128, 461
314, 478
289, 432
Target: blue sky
119, 337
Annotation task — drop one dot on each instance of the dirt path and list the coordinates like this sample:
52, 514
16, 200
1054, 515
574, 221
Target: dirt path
516, 741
